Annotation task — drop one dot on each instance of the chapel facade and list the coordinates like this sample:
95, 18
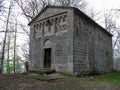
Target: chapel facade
67, 40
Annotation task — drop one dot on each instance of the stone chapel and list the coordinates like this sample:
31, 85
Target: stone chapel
67, 40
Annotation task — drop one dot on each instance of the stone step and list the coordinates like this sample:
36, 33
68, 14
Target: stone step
43, 71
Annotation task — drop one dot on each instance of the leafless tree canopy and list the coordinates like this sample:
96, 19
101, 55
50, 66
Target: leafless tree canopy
1, 7
76, 3
1, 4
31, 8
94, 14
5, 35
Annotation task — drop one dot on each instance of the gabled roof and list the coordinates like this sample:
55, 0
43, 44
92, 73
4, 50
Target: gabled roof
76, 11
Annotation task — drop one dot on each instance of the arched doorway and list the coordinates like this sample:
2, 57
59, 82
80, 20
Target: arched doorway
47, 54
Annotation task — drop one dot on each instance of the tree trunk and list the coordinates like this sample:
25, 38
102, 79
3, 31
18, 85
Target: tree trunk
4, 40
8, 66
14, 63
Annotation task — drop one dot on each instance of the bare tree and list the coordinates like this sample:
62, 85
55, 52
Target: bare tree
15, 37
5, 35
1, 5
25, 29
113, 28
109, 22
94, 14
81, 4
8, 50
31, 8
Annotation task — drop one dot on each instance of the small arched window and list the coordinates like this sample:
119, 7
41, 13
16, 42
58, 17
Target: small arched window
47, 44
37, 27
56, 22
60, 18
34, 27
40, 26
49, 25
64, 18
52, 21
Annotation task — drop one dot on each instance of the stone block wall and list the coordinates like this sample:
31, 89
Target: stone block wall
92, 48
103, 52
61, 39
82, 47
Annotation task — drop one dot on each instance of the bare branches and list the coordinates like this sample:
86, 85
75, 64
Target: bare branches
81, 4
31, 8
94, 14
108, 20
1, 5
25, 29
116, 40
6, 31
112, 27
22, 6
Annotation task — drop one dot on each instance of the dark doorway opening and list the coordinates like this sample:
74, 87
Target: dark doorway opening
47, 58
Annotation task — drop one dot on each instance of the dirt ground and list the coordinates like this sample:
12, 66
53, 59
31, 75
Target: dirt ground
11, 82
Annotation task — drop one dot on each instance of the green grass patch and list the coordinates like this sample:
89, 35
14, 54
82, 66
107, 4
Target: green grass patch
112, 78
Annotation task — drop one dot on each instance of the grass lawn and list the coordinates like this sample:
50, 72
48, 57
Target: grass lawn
111, 78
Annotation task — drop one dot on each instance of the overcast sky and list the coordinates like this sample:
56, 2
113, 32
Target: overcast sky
104, 4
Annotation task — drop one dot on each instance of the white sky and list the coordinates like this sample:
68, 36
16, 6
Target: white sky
104, 4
